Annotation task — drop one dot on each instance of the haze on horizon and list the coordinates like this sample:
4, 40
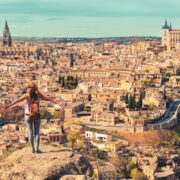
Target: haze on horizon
88, 18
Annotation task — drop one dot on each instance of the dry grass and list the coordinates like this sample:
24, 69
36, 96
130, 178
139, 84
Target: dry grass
149, 138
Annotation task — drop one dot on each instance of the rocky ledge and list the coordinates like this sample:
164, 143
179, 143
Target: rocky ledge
51, 164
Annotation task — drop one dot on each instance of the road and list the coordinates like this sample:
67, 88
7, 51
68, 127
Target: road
170, 114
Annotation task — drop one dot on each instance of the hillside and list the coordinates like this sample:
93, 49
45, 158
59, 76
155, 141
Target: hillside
176, 130
149, 138
52, 164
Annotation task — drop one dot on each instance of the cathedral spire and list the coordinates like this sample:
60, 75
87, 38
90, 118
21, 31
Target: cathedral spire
166, 22
7, 41
6, 25
165, 25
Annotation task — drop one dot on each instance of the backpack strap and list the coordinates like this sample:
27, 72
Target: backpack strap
28, 101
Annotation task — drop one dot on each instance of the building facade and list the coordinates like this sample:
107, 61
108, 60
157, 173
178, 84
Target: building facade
170, 37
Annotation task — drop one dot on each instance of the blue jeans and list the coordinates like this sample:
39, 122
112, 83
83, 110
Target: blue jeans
34, 133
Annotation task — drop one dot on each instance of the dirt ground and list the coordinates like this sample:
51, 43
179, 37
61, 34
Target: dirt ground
151, 138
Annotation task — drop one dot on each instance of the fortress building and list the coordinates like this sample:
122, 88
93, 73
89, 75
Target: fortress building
7, 41
170, 37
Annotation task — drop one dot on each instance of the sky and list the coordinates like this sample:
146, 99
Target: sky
88, 18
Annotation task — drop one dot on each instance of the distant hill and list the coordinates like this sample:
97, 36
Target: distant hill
75, 40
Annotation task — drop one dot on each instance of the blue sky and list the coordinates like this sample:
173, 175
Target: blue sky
88, 18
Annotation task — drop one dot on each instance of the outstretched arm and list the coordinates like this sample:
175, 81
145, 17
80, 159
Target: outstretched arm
46, 98
17, 101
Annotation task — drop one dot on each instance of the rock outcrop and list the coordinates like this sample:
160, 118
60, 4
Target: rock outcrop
51, 164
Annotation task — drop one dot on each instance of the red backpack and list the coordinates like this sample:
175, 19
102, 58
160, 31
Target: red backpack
34, 110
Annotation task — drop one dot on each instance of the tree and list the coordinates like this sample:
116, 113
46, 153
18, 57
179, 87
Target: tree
168, 75
87, 146
95, 175
152, 106
120, 175
102, 155
119, 163
80, 144
140, 176
127, 98
76, 81
62, 81
69, 78
140, 102
134, 172
130, 166
45, 114
178, 72
137, 175
69, 82
164, 93
122, 167
72, 137
132, 102
145, 84
89, 97
66, 84
59, 80
56, 114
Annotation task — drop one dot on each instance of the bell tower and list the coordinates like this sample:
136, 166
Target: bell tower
7, 41
165, 34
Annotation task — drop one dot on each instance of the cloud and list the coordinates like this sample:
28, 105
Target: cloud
87, 17
99, 8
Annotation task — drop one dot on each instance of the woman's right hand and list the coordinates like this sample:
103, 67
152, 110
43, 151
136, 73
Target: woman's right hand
62, 104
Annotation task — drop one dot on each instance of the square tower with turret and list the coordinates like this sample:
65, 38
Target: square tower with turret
170, 37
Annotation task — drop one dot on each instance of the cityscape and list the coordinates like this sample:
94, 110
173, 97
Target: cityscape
111, 106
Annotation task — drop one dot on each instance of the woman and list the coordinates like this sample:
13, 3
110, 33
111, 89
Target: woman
32, 115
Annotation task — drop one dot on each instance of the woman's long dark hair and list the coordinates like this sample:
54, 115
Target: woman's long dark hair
33, 96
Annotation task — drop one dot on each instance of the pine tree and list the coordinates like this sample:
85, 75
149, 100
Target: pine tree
164, 93
140, 102
130, 102
178, 72
89, 97
62, 82
127, 99
133, 102
59, 80
76, 81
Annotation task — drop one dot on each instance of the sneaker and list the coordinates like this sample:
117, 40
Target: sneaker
38, 151
33, 151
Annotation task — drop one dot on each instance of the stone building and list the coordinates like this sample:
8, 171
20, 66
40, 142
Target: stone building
170, 37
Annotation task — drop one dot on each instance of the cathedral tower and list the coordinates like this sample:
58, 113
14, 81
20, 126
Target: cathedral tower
165, 34
7, 41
